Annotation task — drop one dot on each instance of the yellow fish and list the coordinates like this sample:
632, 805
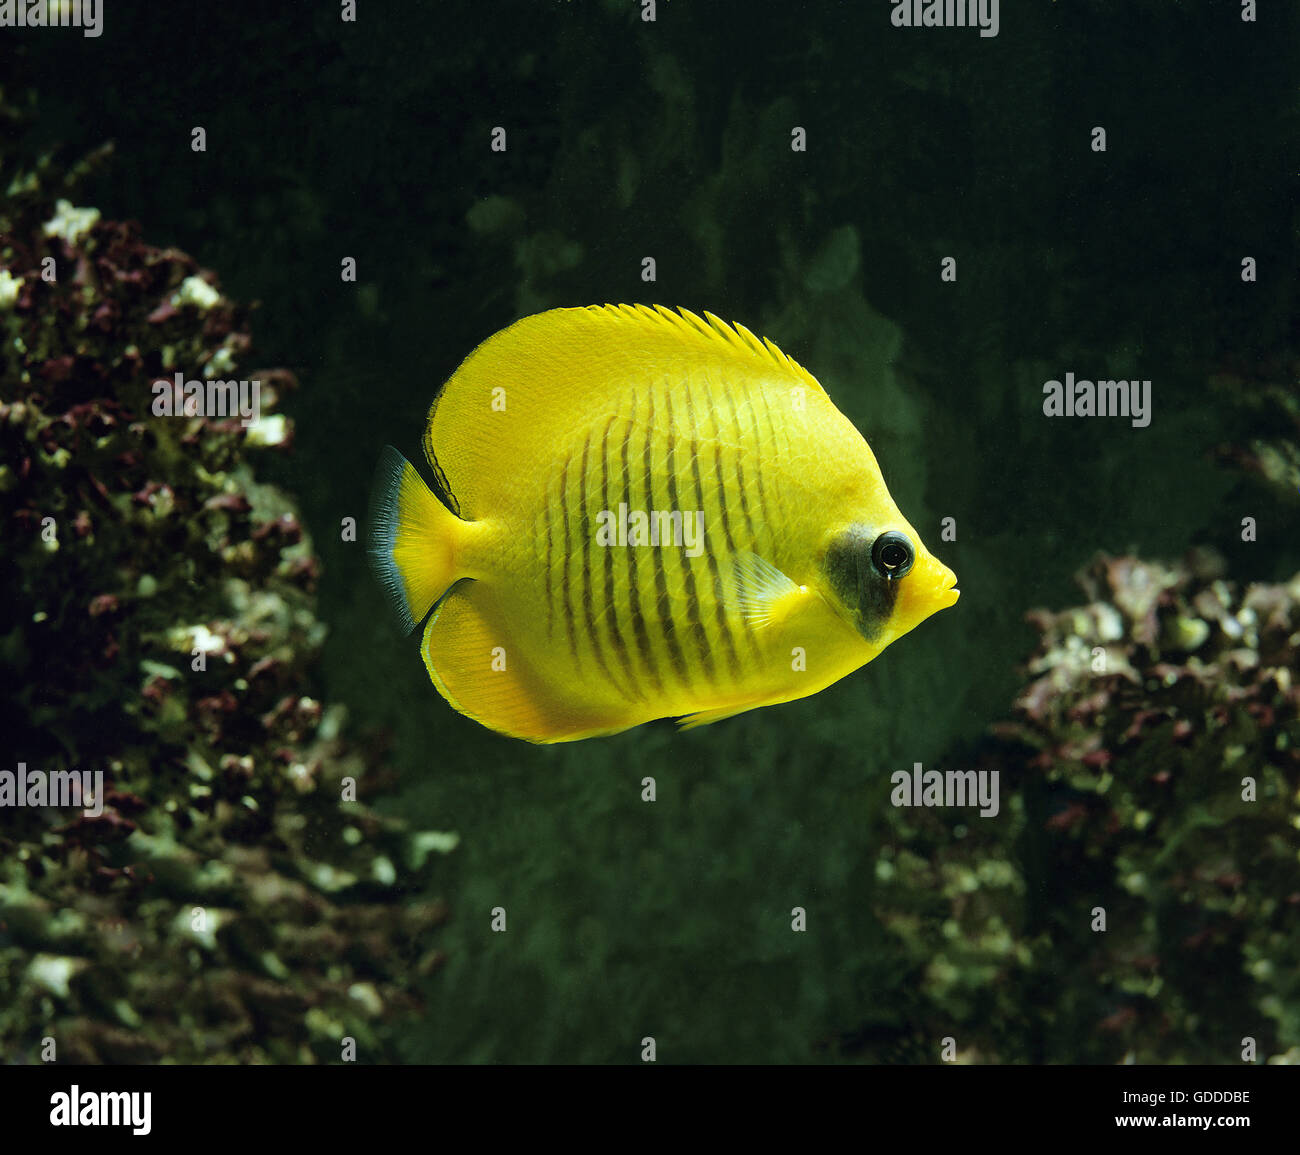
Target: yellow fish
656, 515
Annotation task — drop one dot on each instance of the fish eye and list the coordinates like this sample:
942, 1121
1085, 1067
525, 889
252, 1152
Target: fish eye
892, 554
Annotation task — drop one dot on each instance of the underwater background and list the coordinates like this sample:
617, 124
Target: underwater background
1123, 782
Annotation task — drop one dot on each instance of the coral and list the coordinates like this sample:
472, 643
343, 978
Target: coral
1149, 774
1268, 397
1157, 747
237, 899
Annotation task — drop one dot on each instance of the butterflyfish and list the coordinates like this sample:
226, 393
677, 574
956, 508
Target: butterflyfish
645, 514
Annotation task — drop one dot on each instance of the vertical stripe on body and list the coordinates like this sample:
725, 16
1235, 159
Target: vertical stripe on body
588, 533
567, 609
548, 517
639, 632
723, 631
664, 610
748, 534
611, 606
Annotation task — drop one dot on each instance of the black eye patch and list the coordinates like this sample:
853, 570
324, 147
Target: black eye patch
863, 569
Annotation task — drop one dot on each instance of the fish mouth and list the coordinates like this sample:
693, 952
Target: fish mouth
948, 592
929, 588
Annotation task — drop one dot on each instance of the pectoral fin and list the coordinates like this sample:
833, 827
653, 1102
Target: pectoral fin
763, 594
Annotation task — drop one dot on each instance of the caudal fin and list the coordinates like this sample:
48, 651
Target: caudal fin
412, 539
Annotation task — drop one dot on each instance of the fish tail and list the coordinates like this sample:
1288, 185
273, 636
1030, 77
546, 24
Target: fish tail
412, 539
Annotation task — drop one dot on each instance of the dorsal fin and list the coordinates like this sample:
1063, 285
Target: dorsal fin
529, 391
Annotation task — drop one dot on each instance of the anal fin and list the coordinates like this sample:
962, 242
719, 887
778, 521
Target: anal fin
489, 672
708, 717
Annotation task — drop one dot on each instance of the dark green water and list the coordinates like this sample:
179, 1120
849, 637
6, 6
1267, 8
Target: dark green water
671, 139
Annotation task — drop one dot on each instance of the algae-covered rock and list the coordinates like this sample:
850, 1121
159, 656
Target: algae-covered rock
1137, 897
1156, 745
226, 894
1268, 398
